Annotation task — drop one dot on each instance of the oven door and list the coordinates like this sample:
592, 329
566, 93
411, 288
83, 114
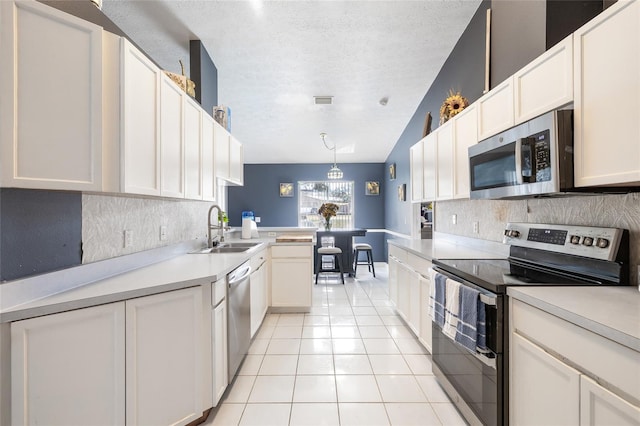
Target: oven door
474, 381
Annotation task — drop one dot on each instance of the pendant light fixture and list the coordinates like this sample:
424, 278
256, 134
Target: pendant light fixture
334, 171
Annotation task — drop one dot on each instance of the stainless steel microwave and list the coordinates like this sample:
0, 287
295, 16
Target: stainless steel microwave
532, 158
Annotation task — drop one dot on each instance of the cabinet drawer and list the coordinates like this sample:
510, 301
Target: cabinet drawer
218, 291
291, 251
257, 260
419, 264
398, 253
588, 352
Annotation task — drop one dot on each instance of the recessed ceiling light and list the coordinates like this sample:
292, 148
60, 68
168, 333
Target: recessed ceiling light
323, 100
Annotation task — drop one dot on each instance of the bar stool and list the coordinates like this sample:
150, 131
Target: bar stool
366, 248
327, 249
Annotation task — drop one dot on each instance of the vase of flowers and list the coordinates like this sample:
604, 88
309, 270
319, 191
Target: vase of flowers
327, 211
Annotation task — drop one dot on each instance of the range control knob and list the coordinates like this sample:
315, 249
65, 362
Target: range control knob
602, 242
587, 241
513, 233
575, 239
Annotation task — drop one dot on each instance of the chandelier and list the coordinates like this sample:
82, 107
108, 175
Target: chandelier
334, 171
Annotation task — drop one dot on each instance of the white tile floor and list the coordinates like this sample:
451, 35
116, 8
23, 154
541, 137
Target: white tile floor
350, 361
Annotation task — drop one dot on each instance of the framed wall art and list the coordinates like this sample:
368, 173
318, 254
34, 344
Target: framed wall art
286, 189
402, 192
372, 188
392, 171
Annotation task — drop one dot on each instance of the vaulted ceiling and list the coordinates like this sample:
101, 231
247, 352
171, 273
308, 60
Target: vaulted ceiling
273, 57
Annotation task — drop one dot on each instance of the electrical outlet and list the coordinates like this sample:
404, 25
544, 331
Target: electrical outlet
128, 238
454, 219
476, 226
271, 234
163, 233
257, 219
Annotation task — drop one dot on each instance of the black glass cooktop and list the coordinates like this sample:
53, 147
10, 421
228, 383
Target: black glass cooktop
496, 275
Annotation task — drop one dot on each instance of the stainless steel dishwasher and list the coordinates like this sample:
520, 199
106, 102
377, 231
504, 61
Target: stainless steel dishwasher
239, 316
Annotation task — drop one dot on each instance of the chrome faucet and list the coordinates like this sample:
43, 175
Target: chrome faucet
219, 226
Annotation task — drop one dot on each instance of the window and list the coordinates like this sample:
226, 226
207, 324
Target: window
313, 193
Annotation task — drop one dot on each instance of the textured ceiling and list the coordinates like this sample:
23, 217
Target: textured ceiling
274, 56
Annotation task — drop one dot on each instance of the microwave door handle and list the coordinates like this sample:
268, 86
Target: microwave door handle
519, 179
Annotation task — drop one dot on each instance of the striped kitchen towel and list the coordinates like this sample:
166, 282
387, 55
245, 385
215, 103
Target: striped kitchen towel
467, 332
437, 294
452, 308
481, 340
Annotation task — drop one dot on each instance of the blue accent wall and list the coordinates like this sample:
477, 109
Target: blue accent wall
462, 71
261, 193
41, 231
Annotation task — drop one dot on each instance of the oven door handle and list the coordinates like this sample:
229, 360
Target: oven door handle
486, 297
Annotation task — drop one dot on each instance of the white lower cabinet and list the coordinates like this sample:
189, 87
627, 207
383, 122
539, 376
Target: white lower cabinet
409, 291
291, 276
394, 265
425, 335
69, 368
552, 375
164, 358
219, 341
543, 390
598, 406
259, 295
404, 294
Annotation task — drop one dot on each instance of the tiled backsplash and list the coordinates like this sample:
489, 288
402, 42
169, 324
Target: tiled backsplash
618, 211
106, 217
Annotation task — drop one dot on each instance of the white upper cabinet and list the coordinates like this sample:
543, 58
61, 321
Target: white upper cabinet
445, 161
221, 139
236, 161
607, 98
465, 135
415, 154
193, 148
430, 167
495, 110
546, 83
208, 159
51, 103
229, 157
140, 127
171, 139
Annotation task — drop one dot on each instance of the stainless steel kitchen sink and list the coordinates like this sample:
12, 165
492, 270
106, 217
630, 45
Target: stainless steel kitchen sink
232, 247
238, 244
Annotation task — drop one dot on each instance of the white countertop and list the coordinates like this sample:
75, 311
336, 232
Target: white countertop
185, 270
452, 248
612, 312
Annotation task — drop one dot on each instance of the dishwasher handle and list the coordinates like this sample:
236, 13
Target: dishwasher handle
239, 274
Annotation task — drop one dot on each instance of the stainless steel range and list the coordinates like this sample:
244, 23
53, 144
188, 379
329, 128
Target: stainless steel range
539, 255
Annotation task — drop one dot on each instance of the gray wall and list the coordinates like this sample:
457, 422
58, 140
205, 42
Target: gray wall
463, 71
260, 193
41, 231
205, 75
517, 36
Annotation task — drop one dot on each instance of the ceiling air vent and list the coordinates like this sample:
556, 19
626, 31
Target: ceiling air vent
323, 100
